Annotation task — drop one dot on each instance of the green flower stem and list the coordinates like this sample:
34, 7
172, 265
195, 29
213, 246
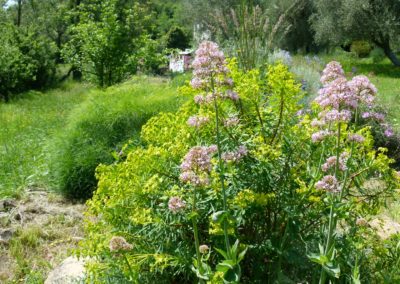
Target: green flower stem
196, 235
332, 217
129, 266
221, 169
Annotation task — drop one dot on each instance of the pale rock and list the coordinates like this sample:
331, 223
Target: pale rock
71, 270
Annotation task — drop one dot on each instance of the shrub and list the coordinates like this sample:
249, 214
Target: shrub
177, 38
27, 61
378, 55
235, 186
361, 48
99, 127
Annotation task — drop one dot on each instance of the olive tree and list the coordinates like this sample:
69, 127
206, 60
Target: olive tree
377, 21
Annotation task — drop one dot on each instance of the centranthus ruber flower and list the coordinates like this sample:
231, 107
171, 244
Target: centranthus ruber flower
209, 62
197, 164
176, 204
328, 183
332, 71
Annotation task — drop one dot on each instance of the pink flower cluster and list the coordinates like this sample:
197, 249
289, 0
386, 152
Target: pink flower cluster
231, 121
331, 162
332, 71
328, 183
176, 204
339, 97
320, 135
335, 115
380, 117
229, 94
356, 138
365, 90
198, 121
197, 164
209, 62
235, 156
119, 244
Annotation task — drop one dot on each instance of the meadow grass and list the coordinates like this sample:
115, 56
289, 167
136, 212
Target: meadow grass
31, 123
98, 129
26, 123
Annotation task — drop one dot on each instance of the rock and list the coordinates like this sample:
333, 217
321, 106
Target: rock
71, 270
7, 204
6, 235
4, 219
385, 227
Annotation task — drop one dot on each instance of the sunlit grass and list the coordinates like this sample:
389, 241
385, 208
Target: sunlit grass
25, 125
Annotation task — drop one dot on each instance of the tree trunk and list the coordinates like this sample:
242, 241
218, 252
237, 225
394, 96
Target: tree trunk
19, 13
391, 55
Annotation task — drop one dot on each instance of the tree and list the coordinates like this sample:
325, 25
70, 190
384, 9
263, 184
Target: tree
107, 34
339, 21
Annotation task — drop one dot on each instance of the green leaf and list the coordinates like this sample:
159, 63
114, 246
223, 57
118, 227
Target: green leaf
219, 217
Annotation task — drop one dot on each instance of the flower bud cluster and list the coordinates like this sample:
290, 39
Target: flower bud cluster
328, 183
209, 62
198, 121
119, 244
197, 164
331, 162
176, 204
235, 156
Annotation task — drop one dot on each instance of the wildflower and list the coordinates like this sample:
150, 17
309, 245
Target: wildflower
378, 116
198, 158
317, 123
196, 163
366, 115
335, 94
356, 138
335, 115
209, 61
332, 71
235, 156
388, 132
232, 95
204, 249
119, 244
364, 89
331, 163
197, 121
361, 222
328, 183
176, 204
231, 121
320, 135
194, 179
199, 99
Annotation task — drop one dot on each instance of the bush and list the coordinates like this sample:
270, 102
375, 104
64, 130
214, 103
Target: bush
235, 186
99, 127
361, 48
378, 55
27, 61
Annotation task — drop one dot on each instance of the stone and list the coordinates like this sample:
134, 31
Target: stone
71, 270
4, 219
6, 235
7, 204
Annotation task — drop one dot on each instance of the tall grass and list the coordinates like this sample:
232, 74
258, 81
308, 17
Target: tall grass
26, 123
99, 127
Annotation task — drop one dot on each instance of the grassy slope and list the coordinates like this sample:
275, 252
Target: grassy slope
28, 124
25, 125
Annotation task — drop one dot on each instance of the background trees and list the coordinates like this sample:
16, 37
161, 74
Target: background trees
377, 21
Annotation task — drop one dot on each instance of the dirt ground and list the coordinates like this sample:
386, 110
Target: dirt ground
36, 233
